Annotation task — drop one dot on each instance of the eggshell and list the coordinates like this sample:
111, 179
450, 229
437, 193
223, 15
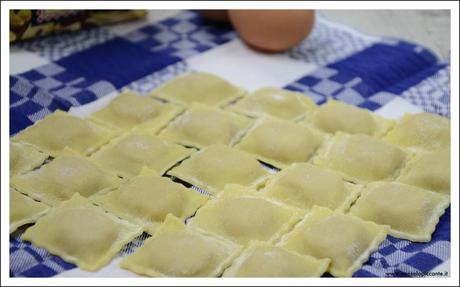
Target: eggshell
272, 30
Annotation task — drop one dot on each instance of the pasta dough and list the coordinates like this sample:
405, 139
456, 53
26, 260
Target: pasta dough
24, 210
242, 215
81, 233
411, 212
421, 132
199, 87
337, 116
304, 185
279, 103
261, 259
126, 156
60, 130
63, 177
176, 250
130, 109
280, 143
429, 171
201, 126
361, 158
146, 200
24, 157
215, 166
346, 240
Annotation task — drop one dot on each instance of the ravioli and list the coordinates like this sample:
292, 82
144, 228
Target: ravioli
429, 171
24, 210
336, 116
242, 215
276, 102
346, 240
421, 132
361, 158
60, 179
411, 212
304, 185
280, 143
261, 259
81, 233
201, 126
146, 200
127, 155
217, 165
130, 109
199, 87
177, 250
60, 130
24, 157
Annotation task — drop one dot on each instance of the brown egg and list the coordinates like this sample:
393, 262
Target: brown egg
272, 30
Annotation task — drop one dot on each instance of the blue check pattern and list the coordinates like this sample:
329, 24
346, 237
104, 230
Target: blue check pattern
361, 70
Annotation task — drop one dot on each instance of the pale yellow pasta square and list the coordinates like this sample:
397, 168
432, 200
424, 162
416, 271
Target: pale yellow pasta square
276, 102
280, 143
145, 200
127, 155
421, 132
24, 157
242, 214
346, 240
304, 185
429, 171
199, 87
177, 250
81, 233
361, 158
24, 210
64, 176
217, 165
201, 126
262, 259
130, 109
59, 131
336, 116
411, 212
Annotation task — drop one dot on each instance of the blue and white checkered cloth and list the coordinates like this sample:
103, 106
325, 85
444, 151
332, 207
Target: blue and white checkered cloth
358, 69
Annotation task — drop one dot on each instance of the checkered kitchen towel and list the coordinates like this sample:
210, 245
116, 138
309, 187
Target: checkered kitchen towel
334, 61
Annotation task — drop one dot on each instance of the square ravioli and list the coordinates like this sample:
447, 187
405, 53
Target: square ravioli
411, 212
429, 171
421, 132
242, 214
201, 126
280, 143
130, 109
24, 210
304, 185
81, 233
127, 155
60, 130
217, 165
64, 176
347, 240
261, 259
361, 158
336, 116
24, 157
199, 87
145, 200
177, 250
276, 102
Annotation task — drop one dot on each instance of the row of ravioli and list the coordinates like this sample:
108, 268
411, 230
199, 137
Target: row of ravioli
123, 177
